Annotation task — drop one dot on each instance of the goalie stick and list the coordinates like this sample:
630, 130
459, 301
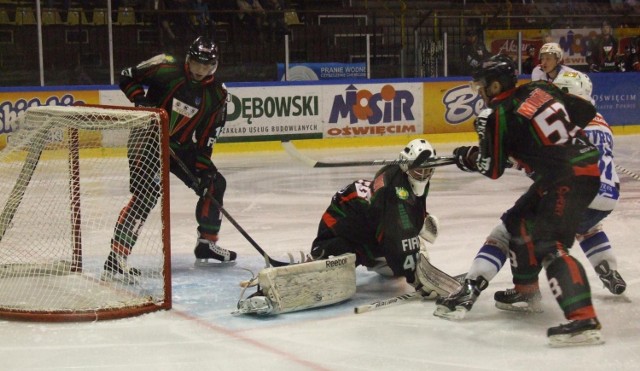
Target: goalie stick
253, 243
386, 302
400, 299
422, 160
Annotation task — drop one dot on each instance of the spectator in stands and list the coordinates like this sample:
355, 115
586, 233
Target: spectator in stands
173, 24
631, 59
531, 61
604, 51
473, 52
201, 21
252, 15
275, 19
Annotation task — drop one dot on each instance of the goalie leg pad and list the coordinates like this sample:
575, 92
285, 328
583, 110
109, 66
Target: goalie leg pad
306, 285
433, 278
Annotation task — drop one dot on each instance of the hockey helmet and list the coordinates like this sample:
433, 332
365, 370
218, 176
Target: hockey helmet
552, 48
576, 83
418, 177
499, 67
204, 51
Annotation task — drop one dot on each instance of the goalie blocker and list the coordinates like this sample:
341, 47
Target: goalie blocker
302, 286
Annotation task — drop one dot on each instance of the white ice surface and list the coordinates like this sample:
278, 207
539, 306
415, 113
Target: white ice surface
279, 202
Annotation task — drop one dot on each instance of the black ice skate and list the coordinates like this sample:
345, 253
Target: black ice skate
515, 301
456, 305
611, 278
578, 332
206, 250
116, 269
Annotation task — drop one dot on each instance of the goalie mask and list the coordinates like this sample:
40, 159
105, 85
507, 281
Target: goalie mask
576, 83
202, 58
418, 177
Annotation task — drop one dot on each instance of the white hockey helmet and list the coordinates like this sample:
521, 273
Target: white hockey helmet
418, 177
576, 83
552, 48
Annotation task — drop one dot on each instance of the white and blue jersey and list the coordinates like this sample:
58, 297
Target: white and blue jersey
600, 135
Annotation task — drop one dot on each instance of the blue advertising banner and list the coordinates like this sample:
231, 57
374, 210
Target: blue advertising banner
323, 71
617, 96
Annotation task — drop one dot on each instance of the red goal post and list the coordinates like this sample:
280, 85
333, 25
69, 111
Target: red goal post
65, 178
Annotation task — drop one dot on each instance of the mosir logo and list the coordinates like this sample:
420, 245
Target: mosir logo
389, 105
461, 104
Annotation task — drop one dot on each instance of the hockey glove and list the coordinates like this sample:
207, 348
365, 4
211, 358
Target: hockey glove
207, 178
465, 158
429, 229
481, 121
142, 101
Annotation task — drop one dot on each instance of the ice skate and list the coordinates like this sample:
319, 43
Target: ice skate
574, 333
456, 305
515, 301
611, 278
206, 250
255, 304
116, 269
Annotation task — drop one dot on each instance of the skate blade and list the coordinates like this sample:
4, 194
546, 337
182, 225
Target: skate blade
588, 337
213, 263
126, 279
455, 315
522, 308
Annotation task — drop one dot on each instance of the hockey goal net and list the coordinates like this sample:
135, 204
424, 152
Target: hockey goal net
64, 180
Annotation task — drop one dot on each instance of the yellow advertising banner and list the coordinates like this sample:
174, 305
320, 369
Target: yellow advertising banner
450, 107
13, 104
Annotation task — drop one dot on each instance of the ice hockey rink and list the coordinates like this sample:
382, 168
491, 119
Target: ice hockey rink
279, 201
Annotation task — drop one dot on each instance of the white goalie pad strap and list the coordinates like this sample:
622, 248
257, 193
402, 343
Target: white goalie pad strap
309, 285
433, 278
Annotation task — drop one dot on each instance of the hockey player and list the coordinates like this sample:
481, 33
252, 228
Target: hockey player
529, 125
381, 222
590, 235
550, 63
196, 104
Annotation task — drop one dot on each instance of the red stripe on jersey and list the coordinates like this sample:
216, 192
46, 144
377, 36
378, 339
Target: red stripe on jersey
587, 170
574, 270
529, 243
329, 220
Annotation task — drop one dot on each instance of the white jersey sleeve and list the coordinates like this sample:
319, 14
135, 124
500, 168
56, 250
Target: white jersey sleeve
600, 135
538, 74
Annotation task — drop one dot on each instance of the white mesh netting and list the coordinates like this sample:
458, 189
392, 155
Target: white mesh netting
65, 179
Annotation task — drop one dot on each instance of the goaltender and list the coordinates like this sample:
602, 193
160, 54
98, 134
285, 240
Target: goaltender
378, 224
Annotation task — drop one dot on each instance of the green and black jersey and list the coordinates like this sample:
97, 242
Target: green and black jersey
197, 109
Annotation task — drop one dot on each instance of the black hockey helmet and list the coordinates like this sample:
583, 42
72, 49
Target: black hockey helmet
499, 68
203, 50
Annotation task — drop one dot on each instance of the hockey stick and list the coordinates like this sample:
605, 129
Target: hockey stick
386, 302
398, 299
627, 172
194, 185
422, 160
